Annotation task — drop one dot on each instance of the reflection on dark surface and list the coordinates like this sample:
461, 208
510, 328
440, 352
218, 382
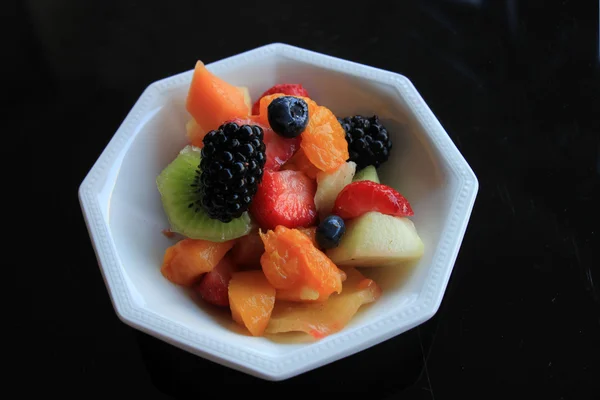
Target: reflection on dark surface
515, 84
381, 371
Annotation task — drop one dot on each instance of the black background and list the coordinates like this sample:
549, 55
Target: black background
515, 84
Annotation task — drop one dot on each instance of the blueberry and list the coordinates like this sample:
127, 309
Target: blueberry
288, 116
330, 232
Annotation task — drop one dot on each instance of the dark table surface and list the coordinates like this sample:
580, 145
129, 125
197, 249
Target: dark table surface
516, 86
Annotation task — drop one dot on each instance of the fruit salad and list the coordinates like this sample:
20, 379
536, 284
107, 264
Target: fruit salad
276, 206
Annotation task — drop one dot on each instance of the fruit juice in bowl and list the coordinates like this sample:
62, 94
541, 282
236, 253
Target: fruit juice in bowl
280, 214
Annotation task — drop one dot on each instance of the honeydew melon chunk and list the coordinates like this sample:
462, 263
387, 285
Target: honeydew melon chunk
330, 184
367, 174
377, 240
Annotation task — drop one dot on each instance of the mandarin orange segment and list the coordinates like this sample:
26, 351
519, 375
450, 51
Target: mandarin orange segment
278, 262
304, 294
324, 140
262, 116
311, 232
292, 262
251, 299
299, 294
188, 259
321, 273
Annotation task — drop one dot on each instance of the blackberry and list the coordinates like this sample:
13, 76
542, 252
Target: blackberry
368, 140
233, 158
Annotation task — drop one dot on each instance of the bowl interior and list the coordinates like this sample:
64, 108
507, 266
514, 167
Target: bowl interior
136, 218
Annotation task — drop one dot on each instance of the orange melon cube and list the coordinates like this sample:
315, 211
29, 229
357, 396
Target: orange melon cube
188, 259
211, 101
251, 299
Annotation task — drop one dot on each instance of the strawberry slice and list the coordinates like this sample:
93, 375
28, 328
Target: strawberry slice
213, 286
360, 197
289, 89
278, 149
285, 198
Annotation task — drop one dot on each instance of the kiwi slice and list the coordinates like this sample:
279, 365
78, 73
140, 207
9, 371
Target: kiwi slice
178, 189
366, 174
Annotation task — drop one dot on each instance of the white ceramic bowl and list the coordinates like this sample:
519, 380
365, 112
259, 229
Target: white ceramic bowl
124, 216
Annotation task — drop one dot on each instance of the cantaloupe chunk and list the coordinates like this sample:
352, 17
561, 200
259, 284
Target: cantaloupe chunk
196, 133
251, 299
211, 101
188, 259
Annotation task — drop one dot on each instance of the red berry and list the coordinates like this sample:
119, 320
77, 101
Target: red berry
213, 286
278, 149
361, 197
285, 198
247, 251
289, 89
